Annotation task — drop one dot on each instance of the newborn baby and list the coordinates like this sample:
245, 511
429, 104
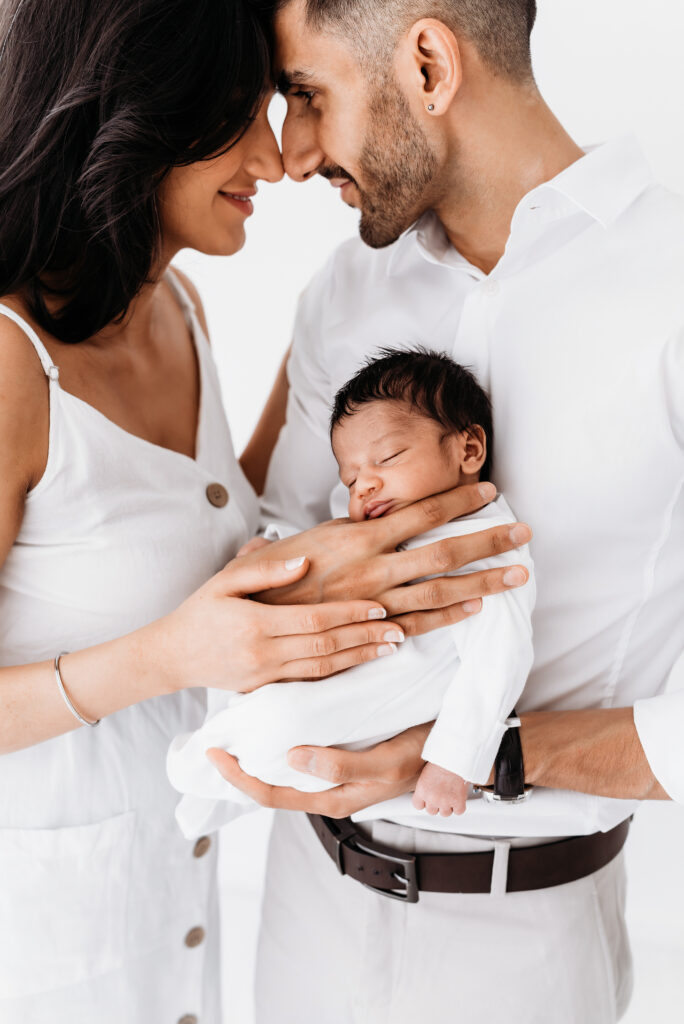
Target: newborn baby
408, 425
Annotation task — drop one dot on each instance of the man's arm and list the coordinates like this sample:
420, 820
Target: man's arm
257, 455
594, 751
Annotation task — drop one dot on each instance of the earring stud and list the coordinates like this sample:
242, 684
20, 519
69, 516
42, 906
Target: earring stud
431, 106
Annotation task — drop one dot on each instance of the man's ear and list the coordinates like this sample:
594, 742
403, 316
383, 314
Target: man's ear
474, 450
429, 67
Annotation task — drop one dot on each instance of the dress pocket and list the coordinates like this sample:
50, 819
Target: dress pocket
63, 897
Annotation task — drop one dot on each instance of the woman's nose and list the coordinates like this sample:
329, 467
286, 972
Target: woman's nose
264, 160
302, 156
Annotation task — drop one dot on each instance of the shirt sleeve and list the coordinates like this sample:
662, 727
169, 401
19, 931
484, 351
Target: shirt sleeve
303, 470
660, 725
673, 384
496, 654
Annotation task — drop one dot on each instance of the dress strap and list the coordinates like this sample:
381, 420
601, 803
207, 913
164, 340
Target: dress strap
51, 371
180, 291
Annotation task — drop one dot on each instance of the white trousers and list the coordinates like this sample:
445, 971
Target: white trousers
332, 952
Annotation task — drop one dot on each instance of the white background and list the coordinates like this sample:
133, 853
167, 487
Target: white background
605, 67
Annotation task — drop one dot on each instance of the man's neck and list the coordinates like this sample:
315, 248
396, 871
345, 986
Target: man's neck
510, 145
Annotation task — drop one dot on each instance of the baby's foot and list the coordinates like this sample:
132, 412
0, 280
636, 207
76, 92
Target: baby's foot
440, 792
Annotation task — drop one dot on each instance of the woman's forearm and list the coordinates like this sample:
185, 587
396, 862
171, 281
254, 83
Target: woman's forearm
99, 681
594, 751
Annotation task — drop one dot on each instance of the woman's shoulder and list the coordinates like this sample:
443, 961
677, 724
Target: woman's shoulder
24, 404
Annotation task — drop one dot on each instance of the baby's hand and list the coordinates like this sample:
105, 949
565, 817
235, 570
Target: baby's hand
440, 792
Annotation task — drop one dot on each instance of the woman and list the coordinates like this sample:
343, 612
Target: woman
128, 130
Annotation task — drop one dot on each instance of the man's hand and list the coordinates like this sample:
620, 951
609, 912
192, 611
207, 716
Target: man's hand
349, 560
362, 778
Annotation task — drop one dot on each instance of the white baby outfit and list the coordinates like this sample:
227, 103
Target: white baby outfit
468, 676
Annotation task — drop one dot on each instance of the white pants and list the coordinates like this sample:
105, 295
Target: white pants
332, 952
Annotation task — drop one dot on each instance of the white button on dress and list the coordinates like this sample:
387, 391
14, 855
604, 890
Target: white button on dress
99, 889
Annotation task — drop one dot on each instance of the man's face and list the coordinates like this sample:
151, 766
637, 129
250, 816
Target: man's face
354, 128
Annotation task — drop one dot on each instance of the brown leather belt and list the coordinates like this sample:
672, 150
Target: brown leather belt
402, 876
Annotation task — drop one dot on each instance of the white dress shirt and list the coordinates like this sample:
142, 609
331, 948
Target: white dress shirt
577, 334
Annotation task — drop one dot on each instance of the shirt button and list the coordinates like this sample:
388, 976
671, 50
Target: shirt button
217, 495
201, 846
492, 288
194, 937
188, 1018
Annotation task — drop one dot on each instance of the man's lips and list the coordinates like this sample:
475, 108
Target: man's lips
375, 509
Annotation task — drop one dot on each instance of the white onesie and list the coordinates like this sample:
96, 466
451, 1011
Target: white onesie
467, 676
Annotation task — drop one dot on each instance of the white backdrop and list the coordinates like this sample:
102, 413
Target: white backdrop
605, 67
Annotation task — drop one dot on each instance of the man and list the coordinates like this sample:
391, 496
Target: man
556, 275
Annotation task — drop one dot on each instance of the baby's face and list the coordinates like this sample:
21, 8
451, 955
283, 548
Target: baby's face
390, 455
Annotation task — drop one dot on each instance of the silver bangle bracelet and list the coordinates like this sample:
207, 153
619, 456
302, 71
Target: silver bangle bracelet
65, 695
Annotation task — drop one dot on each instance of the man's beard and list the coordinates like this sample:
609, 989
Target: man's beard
397, 166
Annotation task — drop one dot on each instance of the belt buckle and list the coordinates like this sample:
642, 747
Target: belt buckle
409, 879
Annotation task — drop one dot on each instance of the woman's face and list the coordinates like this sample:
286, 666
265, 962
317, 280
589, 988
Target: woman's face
204, 205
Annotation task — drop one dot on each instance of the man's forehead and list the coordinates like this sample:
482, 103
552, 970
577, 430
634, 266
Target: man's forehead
304, 54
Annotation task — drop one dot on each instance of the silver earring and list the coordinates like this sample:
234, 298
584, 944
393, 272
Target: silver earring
431, 106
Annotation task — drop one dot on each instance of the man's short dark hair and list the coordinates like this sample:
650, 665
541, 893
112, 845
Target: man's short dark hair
499, 29
432, 383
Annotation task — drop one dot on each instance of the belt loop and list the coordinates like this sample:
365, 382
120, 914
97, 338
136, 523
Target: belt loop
500, 867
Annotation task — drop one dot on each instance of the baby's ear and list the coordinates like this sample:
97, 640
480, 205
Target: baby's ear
474, 449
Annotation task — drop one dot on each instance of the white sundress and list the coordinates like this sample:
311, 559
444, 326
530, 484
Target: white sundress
107, 914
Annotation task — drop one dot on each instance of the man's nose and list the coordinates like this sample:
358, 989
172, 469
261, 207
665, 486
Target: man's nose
302, 156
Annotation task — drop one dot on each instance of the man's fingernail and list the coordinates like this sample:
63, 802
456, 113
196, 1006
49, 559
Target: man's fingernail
394, 636
487, 491
294, 563
302, 761
377, 613
520, 534
386, 649
514, 577
470, 607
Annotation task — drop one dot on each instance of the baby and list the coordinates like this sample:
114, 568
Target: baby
408, 425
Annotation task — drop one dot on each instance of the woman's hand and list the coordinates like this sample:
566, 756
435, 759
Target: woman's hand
220, 638
362, 777
360, 559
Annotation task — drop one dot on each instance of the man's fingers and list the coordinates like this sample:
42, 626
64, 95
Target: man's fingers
448, 590
295, 620
388, 762
435, 511
417, 623
455, 552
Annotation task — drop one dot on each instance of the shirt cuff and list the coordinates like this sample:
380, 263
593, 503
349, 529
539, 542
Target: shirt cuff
279, 531
458, 754
660, 725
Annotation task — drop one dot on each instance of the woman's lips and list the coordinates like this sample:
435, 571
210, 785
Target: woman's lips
242, 202
375, 509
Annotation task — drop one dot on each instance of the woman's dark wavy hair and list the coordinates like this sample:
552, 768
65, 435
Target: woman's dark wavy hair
430, 382
99, 99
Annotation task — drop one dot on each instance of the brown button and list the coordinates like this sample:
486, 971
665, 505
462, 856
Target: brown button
217, 495
194, 937
201, 846
188, 1018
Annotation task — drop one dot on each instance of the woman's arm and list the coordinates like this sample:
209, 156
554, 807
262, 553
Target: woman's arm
257, 455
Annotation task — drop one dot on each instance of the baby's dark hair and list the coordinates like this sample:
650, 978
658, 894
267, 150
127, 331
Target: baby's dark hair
430, 382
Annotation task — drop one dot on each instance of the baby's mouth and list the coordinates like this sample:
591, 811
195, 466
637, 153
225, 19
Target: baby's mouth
375, 509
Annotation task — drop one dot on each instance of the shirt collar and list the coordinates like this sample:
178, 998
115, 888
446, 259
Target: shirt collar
603, 183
